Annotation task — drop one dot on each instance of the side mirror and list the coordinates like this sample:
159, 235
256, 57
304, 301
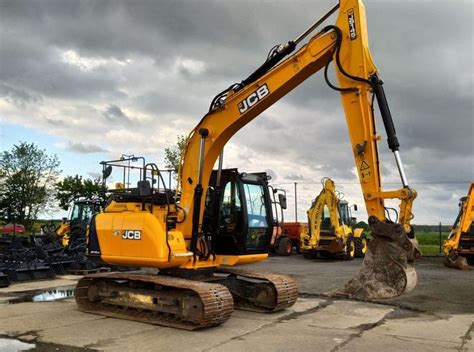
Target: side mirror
355, 207
106, 172
282, 200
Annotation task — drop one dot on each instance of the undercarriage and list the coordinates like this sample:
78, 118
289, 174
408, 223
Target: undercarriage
182, 298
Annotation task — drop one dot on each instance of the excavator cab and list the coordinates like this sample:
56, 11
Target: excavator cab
344, 212
83, 210
344, 216
244, 219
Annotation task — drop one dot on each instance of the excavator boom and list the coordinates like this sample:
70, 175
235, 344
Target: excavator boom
345, 43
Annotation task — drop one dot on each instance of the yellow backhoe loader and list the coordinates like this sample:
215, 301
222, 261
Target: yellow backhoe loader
75, 225
459, 247
195, 253
330, 226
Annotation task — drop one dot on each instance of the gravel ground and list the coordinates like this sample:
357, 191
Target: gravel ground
440, 289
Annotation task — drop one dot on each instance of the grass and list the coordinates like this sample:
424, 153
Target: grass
429, 242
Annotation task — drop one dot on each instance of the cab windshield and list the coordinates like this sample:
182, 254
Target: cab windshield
256, 210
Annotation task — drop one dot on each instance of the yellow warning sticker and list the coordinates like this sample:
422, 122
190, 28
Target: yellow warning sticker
364, 169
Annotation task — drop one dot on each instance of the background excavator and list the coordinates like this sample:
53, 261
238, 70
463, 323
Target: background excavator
176, 233
459, 247
330, 224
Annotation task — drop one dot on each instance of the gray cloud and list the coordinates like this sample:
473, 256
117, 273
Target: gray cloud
94, 175
84, 148
295, 177
18, 97
152, 68
114, 114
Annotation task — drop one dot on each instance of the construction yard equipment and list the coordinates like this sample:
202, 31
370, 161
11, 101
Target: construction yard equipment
56, 251
19, 261
152, 227
285, 236
459, 247
289, 237
332, 231
75, 225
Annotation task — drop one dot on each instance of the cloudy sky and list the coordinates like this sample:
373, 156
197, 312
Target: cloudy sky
90, 80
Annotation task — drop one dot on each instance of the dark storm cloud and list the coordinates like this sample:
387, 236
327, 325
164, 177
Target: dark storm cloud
167, 59
40, 70
18, 97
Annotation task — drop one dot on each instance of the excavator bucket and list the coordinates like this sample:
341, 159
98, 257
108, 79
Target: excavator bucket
387, 270
454, 260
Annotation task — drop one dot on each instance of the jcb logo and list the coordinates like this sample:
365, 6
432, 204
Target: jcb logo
253, 98
132, 235
352, 25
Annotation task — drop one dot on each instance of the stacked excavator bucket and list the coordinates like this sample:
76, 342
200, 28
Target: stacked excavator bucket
28, 258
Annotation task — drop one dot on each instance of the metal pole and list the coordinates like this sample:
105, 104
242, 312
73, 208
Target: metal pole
317, 24
401, 170
440, 237
296, 202
128, 174
219, 168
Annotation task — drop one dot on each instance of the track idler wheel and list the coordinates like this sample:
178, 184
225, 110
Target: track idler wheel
454, 260
388, 269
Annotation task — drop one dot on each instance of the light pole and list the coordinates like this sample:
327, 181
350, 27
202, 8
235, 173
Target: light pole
296, 201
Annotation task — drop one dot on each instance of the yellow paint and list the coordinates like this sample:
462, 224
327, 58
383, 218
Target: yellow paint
327, 197
466, 218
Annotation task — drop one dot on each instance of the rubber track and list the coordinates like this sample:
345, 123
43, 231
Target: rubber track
285, 287
216, 300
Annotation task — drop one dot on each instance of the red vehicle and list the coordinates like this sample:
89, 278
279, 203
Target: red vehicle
13, 229
286, 235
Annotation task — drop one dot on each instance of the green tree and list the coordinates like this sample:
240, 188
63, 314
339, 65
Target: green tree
363, 225
74, 187
27, 178
173, 154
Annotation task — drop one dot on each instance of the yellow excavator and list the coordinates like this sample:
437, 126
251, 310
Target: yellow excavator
195, 252
330, 227
459, 247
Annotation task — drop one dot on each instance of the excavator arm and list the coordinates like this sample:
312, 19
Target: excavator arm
462, 231
345, 43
